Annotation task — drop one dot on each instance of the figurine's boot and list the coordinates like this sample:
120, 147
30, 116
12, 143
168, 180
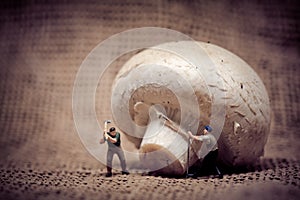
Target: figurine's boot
109, 173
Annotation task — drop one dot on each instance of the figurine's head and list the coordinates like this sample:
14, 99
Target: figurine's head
207, 129
112, 131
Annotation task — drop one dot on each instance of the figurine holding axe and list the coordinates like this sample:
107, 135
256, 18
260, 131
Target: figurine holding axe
105, 135
113, 139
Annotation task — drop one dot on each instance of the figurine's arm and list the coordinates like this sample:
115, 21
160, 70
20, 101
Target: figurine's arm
194, 136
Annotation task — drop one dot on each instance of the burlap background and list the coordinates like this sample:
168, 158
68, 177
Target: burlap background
44, 42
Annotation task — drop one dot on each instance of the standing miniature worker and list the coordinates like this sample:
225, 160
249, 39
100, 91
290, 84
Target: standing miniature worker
113, 139
209, 162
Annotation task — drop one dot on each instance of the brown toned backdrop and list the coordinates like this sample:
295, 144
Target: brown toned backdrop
44, 42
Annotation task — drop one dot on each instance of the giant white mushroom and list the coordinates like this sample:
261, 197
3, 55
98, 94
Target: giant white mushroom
193, 84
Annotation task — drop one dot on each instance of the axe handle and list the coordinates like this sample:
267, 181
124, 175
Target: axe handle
105, 126
105, 130
174, 126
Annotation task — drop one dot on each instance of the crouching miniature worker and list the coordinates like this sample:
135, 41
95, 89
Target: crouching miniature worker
209, 163
113, 139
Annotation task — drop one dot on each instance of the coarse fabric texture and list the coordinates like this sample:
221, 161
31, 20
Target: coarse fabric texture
43, 44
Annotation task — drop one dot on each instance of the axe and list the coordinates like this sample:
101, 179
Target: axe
105, 124
171, 124
105, 129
